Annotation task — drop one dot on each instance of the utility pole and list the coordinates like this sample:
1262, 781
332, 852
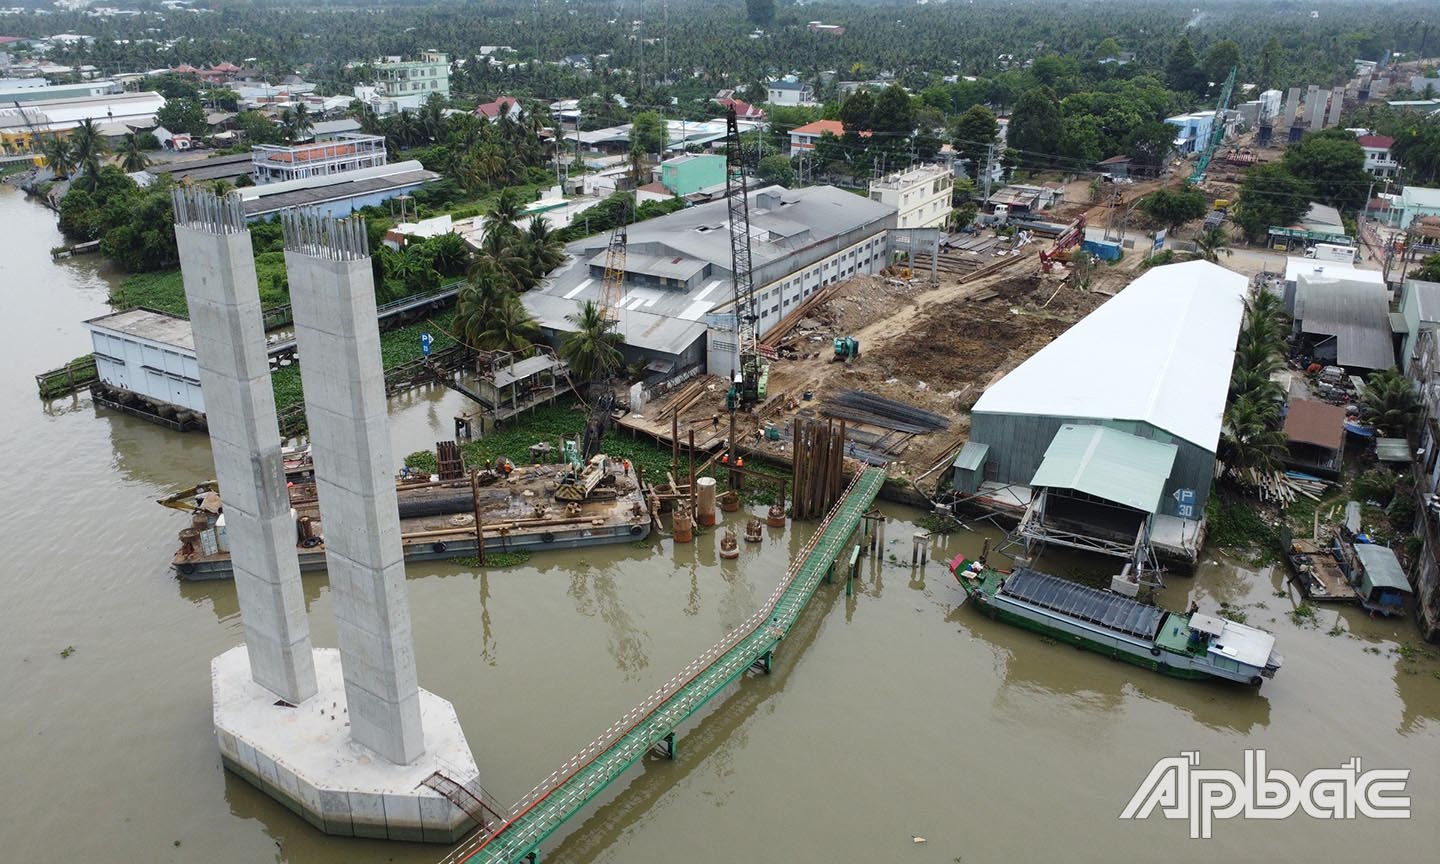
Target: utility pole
989, 170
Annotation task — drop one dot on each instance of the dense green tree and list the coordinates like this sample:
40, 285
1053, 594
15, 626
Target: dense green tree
1148, 144
971, 135
1035, 126
1333, 164
1271, 55
776, 169
258, 129
297, 123
760, 12
183, 116
1185, 204
647, 133
857, 114
893, 117
1429, 269
449, 254
1220, 58
1182, 68
1271, 196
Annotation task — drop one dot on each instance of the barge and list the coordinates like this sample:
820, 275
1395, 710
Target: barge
1183, 645
517, 506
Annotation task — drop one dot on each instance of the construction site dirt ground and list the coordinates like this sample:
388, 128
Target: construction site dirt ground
932, 347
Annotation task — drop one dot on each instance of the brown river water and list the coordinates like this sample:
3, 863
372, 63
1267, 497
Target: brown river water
895, 714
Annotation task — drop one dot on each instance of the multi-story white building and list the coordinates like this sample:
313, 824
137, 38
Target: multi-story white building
1378, 161
348, 151
408, 83
787, 92
920, 196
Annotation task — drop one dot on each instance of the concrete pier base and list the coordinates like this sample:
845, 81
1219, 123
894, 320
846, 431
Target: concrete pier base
305, 757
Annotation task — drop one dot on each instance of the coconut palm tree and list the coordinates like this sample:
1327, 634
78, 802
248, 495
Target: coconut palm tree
594, 349
132, 156
1212, 242
449, 254
504, 213
542, 248
87, 148
59, 155
1390, 401
1251, 440
509, 326
505, 252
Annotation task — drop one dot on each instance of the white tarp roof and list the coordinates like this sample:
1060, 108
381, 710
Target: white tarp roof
1159, 352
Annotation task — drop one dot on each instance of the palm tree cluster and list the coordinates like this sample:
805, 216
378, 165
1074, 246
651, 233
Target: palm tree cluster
296, 124
1253, 443
480, 153
1390, 402
83, 151
489, 313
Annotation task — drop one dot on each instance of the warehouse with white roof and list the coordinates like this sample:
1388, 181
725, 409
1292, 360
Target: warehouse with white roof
1121, 414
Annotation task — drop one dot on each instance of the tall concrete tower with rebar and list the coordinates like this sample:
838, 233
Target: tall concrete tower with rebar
332, 293
218, 266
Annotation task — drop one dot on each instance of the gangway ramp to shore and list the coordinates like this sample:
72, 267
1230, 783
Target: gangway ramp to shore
653, 722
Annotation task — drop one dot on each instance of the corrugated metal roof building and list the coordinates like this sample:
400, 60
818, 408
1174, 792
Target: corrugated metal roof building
1152, 363
1346, 323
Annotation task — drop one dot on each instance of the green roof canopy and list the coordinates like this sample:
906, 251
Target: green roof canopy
971, 456
1382, 569
1108, 464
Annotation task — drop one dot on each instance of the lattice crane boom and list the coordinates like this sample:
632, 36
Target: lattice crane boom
1217, 129
749, 378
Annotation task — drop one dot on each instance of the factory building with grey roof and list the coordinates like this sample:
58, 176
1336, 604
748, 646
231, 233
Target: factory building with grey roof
678, 282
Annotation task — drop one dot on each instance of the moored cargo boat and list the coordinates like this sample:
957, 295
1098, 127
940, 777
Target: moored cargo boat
1183, 645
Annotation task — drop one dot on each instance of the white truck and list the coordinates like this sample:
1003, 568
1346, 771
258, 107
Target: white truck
1333, 252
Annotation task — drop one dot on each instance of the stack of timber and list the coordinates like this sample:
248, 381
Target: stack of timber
818, 467
776, 335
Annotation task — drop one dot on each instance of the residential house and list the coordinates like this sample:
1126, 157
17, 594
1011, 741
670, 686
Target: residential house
743, 110
1116, 167
804, 138
789, 93
1378, 161
1315, 437
826, 29
505, 106
1417, 201
1193, 130
920, 196
1021, 200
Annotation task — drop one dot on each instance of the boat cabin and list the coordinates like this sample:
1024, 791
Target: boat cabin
1380, 580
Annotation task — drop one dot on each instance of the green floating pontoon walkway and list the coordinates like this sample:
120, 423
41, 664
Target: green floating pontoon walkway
564, 793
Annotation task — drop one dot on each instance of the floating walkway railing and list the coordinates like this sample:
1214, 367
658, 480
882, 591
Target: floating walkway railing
652, 723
